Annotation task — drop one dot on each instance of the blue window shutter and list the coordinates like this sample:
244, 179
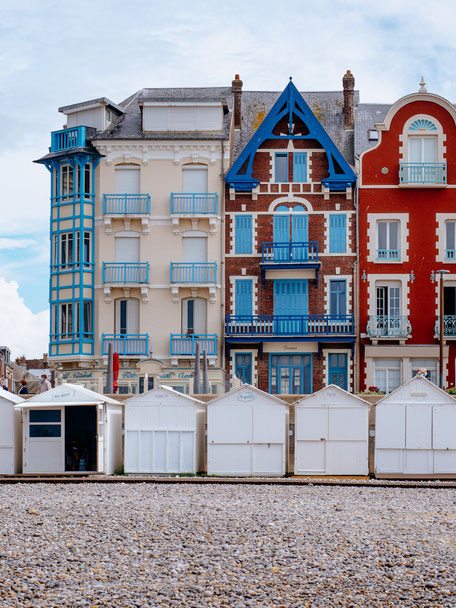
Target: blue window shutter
243, 234
337, 233
243, 297
243, 367
300, 167
338, 369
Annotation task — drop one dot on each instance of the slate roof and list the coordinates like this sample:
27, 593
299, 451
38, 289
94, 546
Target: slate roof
366, 115
98, 100
327, 106
128, 125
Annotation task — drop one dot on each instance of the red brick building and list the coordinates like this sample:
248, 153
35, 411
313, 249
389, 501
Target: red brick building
290, 240
407, 226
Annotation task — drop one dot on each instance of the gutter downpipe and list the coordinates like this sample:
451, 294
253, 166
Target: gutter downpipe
356, 296
222, 261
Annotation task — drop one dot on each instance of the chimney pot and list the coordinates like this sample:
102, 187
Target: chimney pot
348, 83
236, 89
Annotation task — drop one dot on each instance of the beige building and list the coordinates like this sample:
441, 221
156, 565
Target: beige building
137, 227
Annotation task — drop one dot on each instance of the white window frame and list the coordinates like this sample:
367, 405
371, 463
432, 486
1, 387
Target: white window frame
405, 136
372, 236
387, 368
442, 219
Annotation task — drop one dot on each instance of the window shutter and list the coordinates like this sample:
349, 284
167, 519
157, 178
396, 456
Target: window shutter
243, 297
300, 167
337, 233
243, 234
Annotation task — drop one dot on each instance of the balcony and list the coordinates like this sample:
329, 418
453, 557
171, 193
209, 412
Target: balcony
183, 345
126, 344
388, 254
194, 204
396, 327
126, 204
127, 272
449, 326
279, 256
292, 326
422, 174
193, 272
68, 138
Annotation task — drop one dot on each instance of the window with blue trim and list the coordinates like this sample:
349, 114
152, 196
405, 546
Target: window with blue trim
338, 369
243, 297
337, 233
300, 166
243, 367
281, 167
243, 234
290, 374
337, 297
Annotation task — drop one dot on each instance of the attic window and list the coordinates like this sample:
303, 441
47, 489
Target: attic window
373, 135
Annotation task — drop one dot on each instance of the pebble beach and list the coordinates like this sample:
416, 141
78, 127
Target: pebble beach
148, 545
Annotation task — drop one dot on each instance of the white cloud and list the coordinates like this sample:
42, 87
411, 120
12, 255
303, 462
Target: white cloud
8, 243
21, 330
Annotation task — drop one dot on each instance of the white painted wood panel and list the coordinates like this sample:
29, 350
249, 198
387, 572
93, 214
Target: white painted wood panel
390, 427
418, 434
444, 427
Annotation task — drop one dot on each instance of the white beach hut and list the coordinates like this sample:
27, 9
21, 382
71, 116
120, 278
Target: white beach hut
164, 432
415, 432
331, 433
247, 433
71, 429
10, 434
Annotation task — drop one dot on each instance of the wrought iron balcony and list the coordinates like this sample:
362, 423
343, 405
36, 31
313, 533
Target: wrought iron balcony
126, 204
125, 344
185, 344
125, 272
193, 272
450, 254
194, 203
386, 326
388, 254
289, 325
449, 326
417, 174
66, 139
291, 253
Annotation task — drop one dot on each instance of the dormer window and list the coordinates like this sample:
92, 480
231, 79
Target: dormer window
181, 116
423, 153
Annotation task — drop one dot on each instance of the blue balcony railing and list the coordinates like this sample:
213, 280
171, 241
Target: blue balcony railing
125, 344
68, 138
450, 254
281, 253
388, 254
184, 344
126, 272
422, 173
126, 204
449, 326
194, 203
193, 272
388, 326
289, 325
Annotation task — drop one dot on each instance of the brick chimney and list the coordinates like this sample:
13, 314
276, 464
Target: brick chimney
348, 82
236, 88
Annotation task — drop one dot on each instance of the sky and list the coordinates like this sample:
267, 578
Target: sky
55, 53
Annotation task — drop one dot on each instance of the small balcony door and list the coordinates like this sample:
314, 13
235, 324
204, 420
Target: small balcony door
127, 248
293, 228
388, 301
423, 149
194, 249
127, 316
194, 316
449, 301
128, 179
290, 298
194, 179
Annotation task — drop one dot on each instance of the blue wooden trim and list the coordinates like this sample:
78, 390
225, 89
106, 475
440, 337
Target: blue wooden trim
193, 272
301, 367
245, 366
290, 102
185, 344
337, 233
66, 139
243, 233
191, 203
125, 272
423, 173
289, 325
126, 204
126, 344
338, 369
260, 339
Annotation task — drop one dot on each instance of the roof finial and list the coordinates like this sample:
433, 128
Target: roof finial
291, 77
422, 88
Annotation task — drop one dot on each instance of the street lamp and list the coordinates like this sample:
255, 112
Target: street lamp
441, 273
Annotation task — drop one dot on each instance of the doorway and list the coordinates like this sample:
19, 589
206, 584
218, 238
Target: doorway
81, 438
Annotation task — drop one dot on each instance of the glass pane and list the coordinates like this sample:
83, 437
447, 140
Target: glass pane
296, 381
384, 363
274, 380
393, 234
45, 430
45, 415
394, 379
284, 380
380, 380
450, 235
429, 149
281, 168
382, 226
394, 302
415, 149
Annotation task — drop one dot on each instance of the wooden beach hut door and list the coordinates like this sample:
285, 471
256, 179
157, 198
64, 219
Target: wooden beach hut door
44, 440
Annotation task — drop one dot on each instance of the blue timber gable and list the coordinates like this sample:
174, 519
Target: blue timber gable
290, 104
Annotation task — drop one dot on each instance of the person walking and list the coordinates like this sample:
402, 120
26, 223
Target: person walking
23, 390
45, 385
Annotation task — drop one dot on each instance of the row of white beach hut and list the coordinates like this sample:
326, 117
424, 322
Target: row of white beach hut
245, 432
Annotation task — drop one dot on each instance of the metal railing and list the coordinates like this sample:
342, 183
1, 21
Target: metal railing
126, 204
281, 253
388, 254
125, 272
288, 325
450, 254
449, 326
193, 272
194, 203
185, 344
125, 344
386, 326
422, 173
68, 138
